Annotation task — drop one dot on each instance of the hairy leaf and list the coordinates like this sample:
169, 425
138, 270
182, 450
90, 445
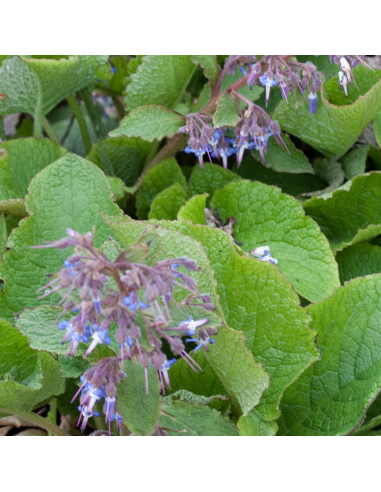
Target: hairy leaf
167, 203
331, 398
140, 410
265, 217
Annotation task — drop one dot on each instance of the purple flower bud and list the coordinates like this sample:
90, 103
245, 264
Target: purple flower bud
313, 99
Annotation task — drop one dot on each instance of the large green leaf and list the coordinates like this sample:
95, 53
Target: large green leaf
167, 203
365, 79
158, 179
160, 79
69, 193
331, 398
121, 157
18, 362
139, 410
244, 380
292, 184
358, 261
266, 217
333, 129
256, 299
210, 179
15, 397
26, 157
150, 123
36, 86
184, 419
350, 215
290, 160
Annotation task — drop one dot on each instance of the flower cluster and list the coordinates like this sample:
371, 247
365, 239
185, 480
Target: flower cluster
253, 131
289, 74
129, 305
100, 383
347, 63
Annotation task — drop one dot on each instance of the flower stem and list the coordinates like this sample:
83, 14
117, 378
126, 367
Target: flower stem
81, 122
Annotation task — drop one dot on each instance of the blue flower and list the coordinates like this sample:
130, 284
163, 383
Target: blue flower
130, 303
313, 99
97, 302
201, 343
268, 82
99, 337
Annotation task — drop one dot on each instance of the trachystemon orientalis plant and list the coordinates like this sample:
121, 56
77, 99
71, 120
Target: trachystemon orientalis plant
128, 304
255, 127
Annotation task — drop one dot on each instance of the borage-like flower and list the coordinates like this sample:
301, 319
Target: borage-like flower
132, 303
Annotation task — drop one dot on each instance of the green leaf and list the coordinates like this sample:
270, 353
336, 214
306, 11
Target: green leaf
27, 157
206, 94
227, 113
140, 411
161, 80
194, 210
205, 383
265, 217
118, 82
118, 188
253, 425
209, 180
18, 362
241, 376
184, 419
68, 194
3, 235
40, 325
121, 157
354, 163
351, 214
291, 161
158, 179
209, 65
167, 203
150, 123
15, 397
358, 261
331, 172
73, 368
256, 299
377, 128
333, 129
291, 184
331, 398
365, 79
38, 85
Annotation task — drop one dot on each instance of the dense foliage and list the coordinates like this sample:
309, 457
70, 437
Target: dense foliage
190, 245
